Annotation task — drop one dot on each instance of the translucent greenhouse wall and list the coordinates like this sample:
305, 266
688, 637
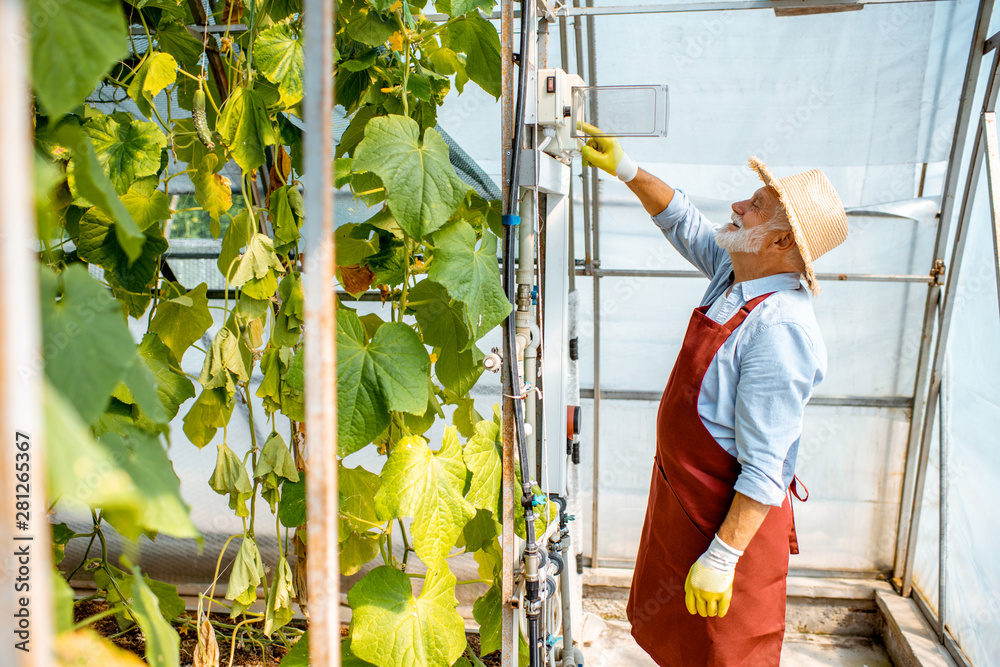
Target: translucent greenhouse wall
870, 97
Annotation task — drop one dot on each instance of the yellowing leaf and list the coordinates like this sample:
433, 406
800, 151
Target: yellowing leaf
427, 486
212, 190
392, 627
158, 71
279, 55
248, 570
230, 478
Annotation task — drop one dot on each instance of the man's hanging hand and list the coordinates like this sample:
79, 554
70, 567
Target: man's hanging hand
708, 589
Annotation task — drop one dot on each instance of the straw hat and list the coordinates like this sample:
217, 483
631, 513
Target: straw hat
815, 212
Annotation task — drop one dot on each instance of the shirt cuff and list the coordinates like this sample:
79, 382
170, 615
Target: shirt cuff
757, 486
675, 211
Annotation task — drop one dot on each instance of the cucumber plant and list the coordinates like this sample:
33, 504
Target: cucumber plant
429, 248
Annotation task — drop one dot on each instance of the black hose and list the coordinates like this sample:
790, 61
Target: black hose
510, 286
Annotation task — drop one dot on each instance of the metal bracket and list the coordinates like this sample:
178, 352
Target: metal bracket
936, 272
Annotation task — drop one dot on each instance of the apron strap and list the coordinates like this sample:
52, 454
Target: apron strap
737, 319
793, 489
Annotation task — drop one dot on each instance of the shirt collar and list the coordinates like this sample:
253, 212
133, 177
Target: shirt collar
752, 289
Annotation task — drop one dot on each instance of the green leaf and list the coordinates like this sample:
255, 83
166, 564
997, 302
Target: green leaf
258, 267
443, 321
353, 244
274, 365
359, 63
283, 216
347, 657
73, 45
138, 387
371, 28
98, 245
210, 412
93, 184
279, 55
182, 318
459, 7
391, 627
158, 71
427, 486
481, 531
247, 572
61, 535
355, 132
87, 474
274, 465
389, 372
482, 456
169, 602
174, 39
299, 655
84, 334
237, 236
287, 329
246, 128
146, 204
230, 478
459, 371
127, 149
486, 610
159, 506
212, 190
278, 611
357, 549
172, 387
421, 185
292, 508
479, 40
223, 366
63, 602
162, 641
357, 488
470, 275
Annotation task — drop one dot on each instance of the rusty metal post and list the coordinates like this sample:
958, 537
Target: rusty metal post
509, 631
26, 561
323, 571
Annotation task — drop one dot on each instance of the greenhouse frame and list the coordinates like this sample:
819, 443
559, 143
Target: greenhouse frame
895, 100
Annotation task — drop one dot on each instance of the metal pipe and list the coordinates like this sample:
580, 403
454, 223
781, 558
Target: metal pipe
944, 324
943, 511
509, 631
21, 375
689, 273
724, 6
891, 402
578, 43
322, 565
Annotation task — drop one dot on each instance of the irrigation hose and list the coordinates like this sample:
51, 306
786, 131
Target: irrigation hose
510, 219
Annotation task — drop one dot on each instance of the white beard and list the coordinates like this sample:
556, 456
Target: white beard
742, 239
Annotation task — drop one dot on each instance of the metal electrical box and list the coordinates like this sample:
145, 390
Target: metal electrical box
555, 110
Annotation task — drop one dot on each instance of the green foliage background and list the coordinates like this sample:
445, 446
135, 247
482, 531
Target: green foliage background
104, 199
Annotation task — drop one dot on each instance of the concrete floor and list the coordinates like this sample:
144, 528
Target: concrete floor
611, 645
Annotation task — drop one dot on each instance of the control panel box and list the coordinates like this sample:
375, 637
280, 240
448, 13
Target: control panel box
555, 111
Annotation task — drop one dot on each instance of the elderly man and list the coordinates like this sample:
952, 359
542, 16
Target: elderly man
709, 582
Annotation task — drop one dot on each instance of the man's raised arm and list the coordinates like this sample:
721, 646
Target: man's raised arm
681, 223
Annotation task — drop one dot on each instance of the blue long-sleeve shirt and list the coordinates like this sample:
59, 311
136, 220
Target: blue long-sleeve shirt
755, 389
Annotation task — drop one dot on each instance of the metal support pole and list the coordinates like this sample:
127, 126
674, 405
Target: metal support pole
993, 178
26, 562
944, 327
921, 386
323, 571
509, 631
943, 511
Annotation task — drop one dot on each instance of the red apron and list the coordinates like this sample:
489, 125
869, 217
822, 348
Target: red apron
689, 497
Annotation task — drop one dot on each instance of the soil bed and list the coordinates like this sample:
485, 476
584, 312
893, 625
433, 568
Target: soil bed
246, 654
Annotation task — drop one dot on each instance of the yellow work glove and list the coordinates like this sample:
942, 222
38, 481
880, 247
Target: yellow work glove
607, 154
709, 585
